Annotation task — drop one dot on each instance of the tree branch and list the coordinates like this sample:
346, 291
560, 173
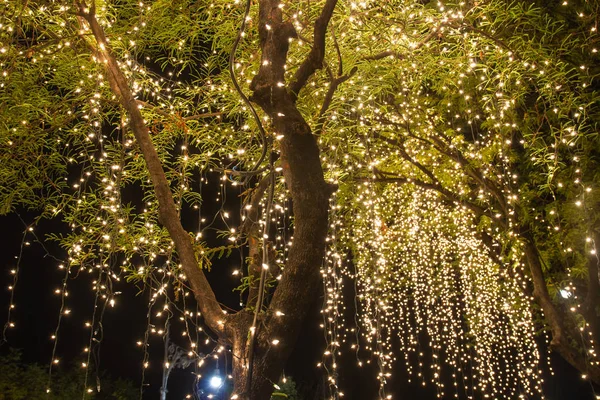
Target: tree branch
336, 45
590, 304
251, 228
400, 147
168, 216
562, 333
468, 167
314, 60
258, 193
384, 54
478, 210
474, 173
435, 183
333, 85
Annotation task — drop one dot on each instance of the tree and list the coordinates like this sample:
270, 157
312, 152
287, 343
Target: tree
444, 156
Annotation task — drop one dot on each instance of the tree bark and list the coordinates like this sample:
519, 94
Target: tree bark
280, 326
168, 215
562, 332
590, 305
300, 281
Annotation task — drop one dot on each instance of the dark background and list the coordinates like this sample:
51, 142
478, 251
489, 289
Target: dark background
37, 310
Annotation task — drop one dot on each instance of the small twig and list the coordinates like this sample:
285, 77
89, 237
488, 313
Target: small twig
160, 111
384, 54
498, 42
241, 173
395, 54
329, 97
430, 35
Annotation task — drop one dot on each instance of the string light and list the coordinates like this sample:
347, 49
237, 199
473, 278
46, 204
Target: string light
447, 139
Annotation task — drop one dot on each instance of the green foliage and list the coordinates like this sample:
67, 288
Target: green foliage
286, 390
474, 121
20, 381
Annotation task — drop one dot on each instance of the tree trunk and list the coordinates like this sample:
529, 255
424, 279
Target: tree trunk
559, 323
300, 281
264, 372
278, 329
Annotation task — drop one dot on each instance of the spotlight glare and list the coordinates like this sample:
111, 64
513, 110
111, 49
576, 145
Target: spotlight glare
216, 382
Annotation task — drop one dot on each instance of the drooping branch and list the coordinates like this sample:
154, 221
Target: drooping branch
168, 216
443, 145
435, 183
445, 148
450, 196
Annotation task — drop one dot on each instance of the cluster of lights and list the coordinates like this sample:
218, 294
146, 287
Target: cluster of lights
416, 151
421, 272
418, 265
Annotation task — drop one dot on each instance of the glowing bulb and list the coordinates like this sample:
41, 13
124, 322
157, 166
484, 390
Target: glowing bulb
215, 382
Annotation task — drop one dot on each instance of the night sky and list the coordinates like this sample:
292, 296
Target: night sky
37, 309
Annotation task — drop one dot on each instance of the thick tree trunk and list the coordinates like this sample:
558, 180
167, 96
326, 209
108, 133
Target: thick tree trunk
279, 328
264, 372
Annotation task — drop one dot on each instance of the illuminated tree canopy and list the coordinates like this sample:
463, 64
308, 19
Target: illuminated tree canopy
438, 160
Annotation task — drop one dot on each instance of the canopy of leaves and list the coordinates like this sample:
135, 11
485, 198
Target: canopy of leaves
457, 134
